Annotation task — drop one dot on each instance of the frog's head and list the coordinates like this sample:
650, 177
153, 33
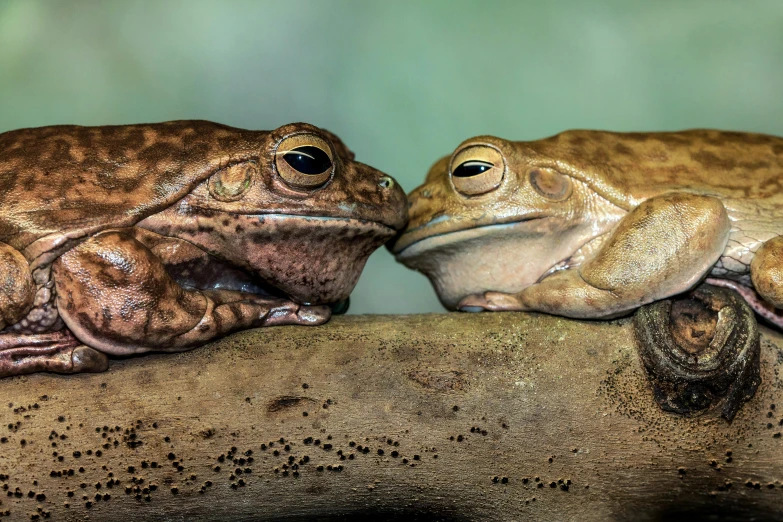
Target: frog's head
300, 214
495, 215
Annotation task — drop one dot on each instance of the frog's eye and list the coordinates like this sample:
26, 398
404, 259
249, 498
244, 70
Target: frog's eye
304, 161
308, 160
477, 170
550, 184
472, 168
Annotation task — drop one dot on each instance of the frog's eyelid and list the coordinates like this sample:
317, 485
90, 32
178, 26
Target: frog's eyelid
476, 163
283, 153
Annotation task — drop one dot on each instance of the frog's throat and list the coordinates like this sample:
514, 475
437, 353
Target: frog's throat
310, 259
504, 258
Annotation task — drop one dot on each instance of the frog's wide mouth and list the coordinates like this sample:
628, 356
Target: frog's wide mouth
416, 241
351, 222
328, 223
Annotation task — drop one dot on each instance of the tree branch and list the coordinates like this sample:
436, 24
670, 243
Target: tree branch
504, 416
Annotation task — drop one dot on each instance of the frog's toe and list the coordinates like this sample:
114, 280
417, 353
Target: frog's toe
489, 301
313, 315
89, 360
472, 303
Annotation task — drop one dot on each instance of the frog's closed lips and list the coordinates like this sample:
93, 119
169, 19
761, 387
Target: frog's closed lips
429, 235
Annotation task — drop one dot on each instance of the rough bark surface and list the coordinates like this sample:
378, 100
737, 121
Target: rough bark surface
503, 416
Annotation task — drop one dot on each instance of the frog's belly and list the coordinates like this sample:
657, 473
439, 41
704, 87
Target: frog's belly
751, 226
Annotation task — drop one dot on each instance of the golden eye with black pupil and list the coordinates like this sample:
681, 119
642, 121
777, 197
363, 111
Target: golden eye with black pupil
471, 168
308, 160
477, 169
304, 161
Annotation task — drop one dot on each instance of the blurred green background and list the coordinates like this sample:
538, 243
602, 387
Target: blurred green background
402, 82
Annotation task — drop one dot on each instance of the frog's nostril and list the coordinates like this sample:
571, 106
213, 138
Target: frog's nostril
386, 182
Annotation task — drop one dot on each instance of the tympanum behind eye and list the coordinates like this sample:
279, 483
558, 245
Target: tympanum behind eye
550, 184
231, 183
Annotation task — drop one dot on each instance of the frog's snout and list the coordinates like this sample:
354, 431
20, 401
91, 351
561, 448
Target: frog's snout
396, 201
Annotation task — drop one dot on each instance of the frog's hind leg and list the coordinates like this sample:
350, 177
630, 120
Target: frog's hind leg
759, 305
766, 271
58, 352
115, 295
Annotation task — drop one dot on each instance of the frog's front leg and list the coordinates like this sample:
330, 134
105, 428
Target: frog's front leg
115, 295
662, 247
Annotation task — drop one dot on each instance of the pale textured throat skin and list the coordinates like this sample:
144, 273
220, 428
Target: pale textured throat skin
650, 216
504, 258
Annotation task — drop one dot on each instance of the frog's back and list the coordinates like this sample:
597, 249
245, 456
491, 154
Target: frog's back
627, 168
65, 179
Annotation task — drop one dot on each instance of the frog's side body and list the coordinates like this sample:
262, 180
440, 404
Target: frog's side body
646, 215
744, 171
126, 239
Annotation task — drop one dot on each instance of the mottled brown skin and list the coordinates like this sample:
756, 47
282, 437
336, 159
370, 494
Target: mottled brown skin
595, 224
127, 239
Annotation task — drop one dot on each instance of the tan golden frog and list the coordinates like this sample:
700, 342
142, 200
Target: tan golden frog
595, 224
126, 239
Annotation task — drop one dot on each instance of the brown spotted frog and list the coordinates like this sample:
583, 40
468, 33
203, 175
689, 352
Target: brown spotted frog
127, 239
592, 224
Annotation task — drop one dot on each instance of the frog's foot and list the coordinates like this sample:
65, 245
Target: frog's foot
491, 301
288, 312
58, 352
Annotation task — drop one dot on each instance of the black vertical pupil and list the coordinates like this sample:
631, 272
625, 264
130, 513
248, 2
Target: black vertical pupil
471, 168
308, 160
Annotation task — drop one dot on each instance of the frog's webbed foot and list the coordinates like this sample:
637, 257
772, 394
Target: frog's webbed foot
288, 312
700, 349
58, 352
491, 301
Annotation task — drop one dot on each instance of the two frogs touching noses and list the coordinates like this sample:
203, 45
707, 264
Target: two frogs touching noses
119, 240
